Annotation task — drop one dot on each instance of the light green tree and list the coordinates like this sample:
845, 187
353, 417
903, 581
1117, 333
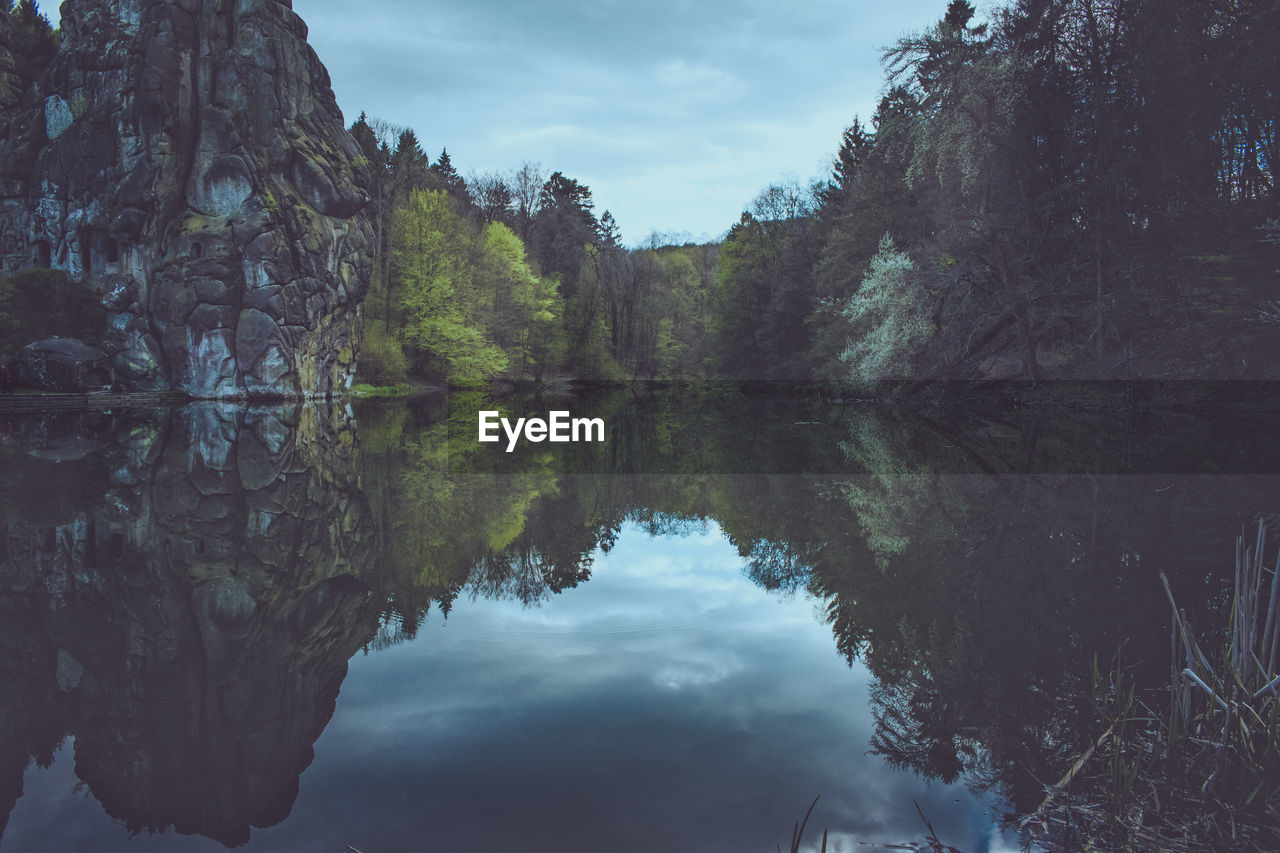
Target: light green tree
433, 255
889, 317
527, 311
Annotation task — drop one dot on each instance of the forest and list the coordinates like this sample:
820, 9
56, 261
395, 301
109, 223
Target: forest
1064, 189
1080, 189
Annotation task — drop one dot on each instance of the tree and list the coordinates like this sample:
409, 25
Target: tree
742, 287
409, 166
563, 225
432, 246
855, 149
526, 189
610, 235
527, 310
959, 13
492, 196
450, 181
373, 140
407, 172
889, 318
33, 42
765, 286
586, 321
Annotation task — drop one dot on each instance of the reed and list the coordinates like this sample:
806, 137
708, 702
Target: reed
797, 831
1203, 774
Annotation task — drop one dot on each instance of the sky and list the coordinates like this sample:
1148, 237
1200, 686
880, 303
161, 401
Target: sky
675, 113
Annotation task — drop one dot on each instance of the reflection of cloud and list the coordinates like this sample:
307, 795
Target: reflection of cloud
696, 670
741, 689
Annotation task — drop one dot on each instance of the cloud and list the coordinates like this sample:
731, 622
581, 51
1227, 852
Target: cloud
675, 113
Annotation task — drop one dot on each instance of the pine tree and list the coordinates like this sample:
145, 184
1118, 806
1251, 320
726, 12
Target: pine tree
449, 178
959, 13
367, 138
409, 166
32, 42
855, 149
610, 236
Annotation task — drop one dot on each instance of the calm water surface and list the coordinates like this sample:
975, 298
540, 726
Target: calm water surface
299, 629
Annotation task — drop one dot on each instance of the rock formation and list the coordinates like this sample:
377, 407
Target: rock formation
187, 158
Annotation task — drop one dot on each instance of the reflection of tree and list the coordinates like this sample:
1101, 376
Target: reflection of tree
916, 731
985, 597
553, 551
440, 523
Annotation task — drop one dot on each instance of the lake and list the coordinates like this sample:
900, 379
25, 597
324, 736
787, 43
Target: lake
306, 627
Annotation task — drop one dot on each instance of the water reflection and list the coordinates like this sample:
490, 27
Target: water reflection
182, 592
189, 624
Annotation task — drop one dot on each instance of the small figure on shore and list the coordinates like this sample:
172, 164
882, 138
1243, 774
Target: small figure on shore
6, 379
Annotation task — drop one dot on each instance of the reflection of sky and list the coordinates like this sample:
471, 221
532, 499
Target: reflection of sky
666, 704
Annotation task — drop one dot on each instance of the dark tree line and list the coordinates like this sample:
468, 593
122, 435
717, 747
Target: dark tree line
1079, 187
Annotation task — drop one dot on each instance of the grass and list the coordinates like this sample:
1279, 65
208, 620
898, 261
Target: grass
400, 389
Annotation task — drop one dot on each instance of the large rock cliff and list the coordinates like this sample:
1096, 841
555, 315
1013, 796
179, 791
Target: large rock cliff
188, 159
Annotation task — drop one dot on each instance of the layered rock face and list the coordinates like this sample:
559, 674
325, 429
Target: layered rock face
188, 159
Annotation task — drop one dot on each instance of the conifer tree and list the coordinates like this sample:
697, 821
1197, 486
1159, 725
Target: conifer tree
855, 149
610, 235
32, 42
448, 176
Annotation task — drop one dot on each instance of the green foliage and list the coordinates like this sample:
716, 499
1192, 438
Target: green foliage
382, 360
432, 257
764, 287
40, 303
742, 285
473, 307
508, 275
527, 310
586, 326
889, 318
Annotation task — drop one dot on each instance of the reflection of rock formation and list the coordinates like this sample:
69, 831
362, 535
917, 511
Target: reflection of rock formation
188, 158
192, 630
